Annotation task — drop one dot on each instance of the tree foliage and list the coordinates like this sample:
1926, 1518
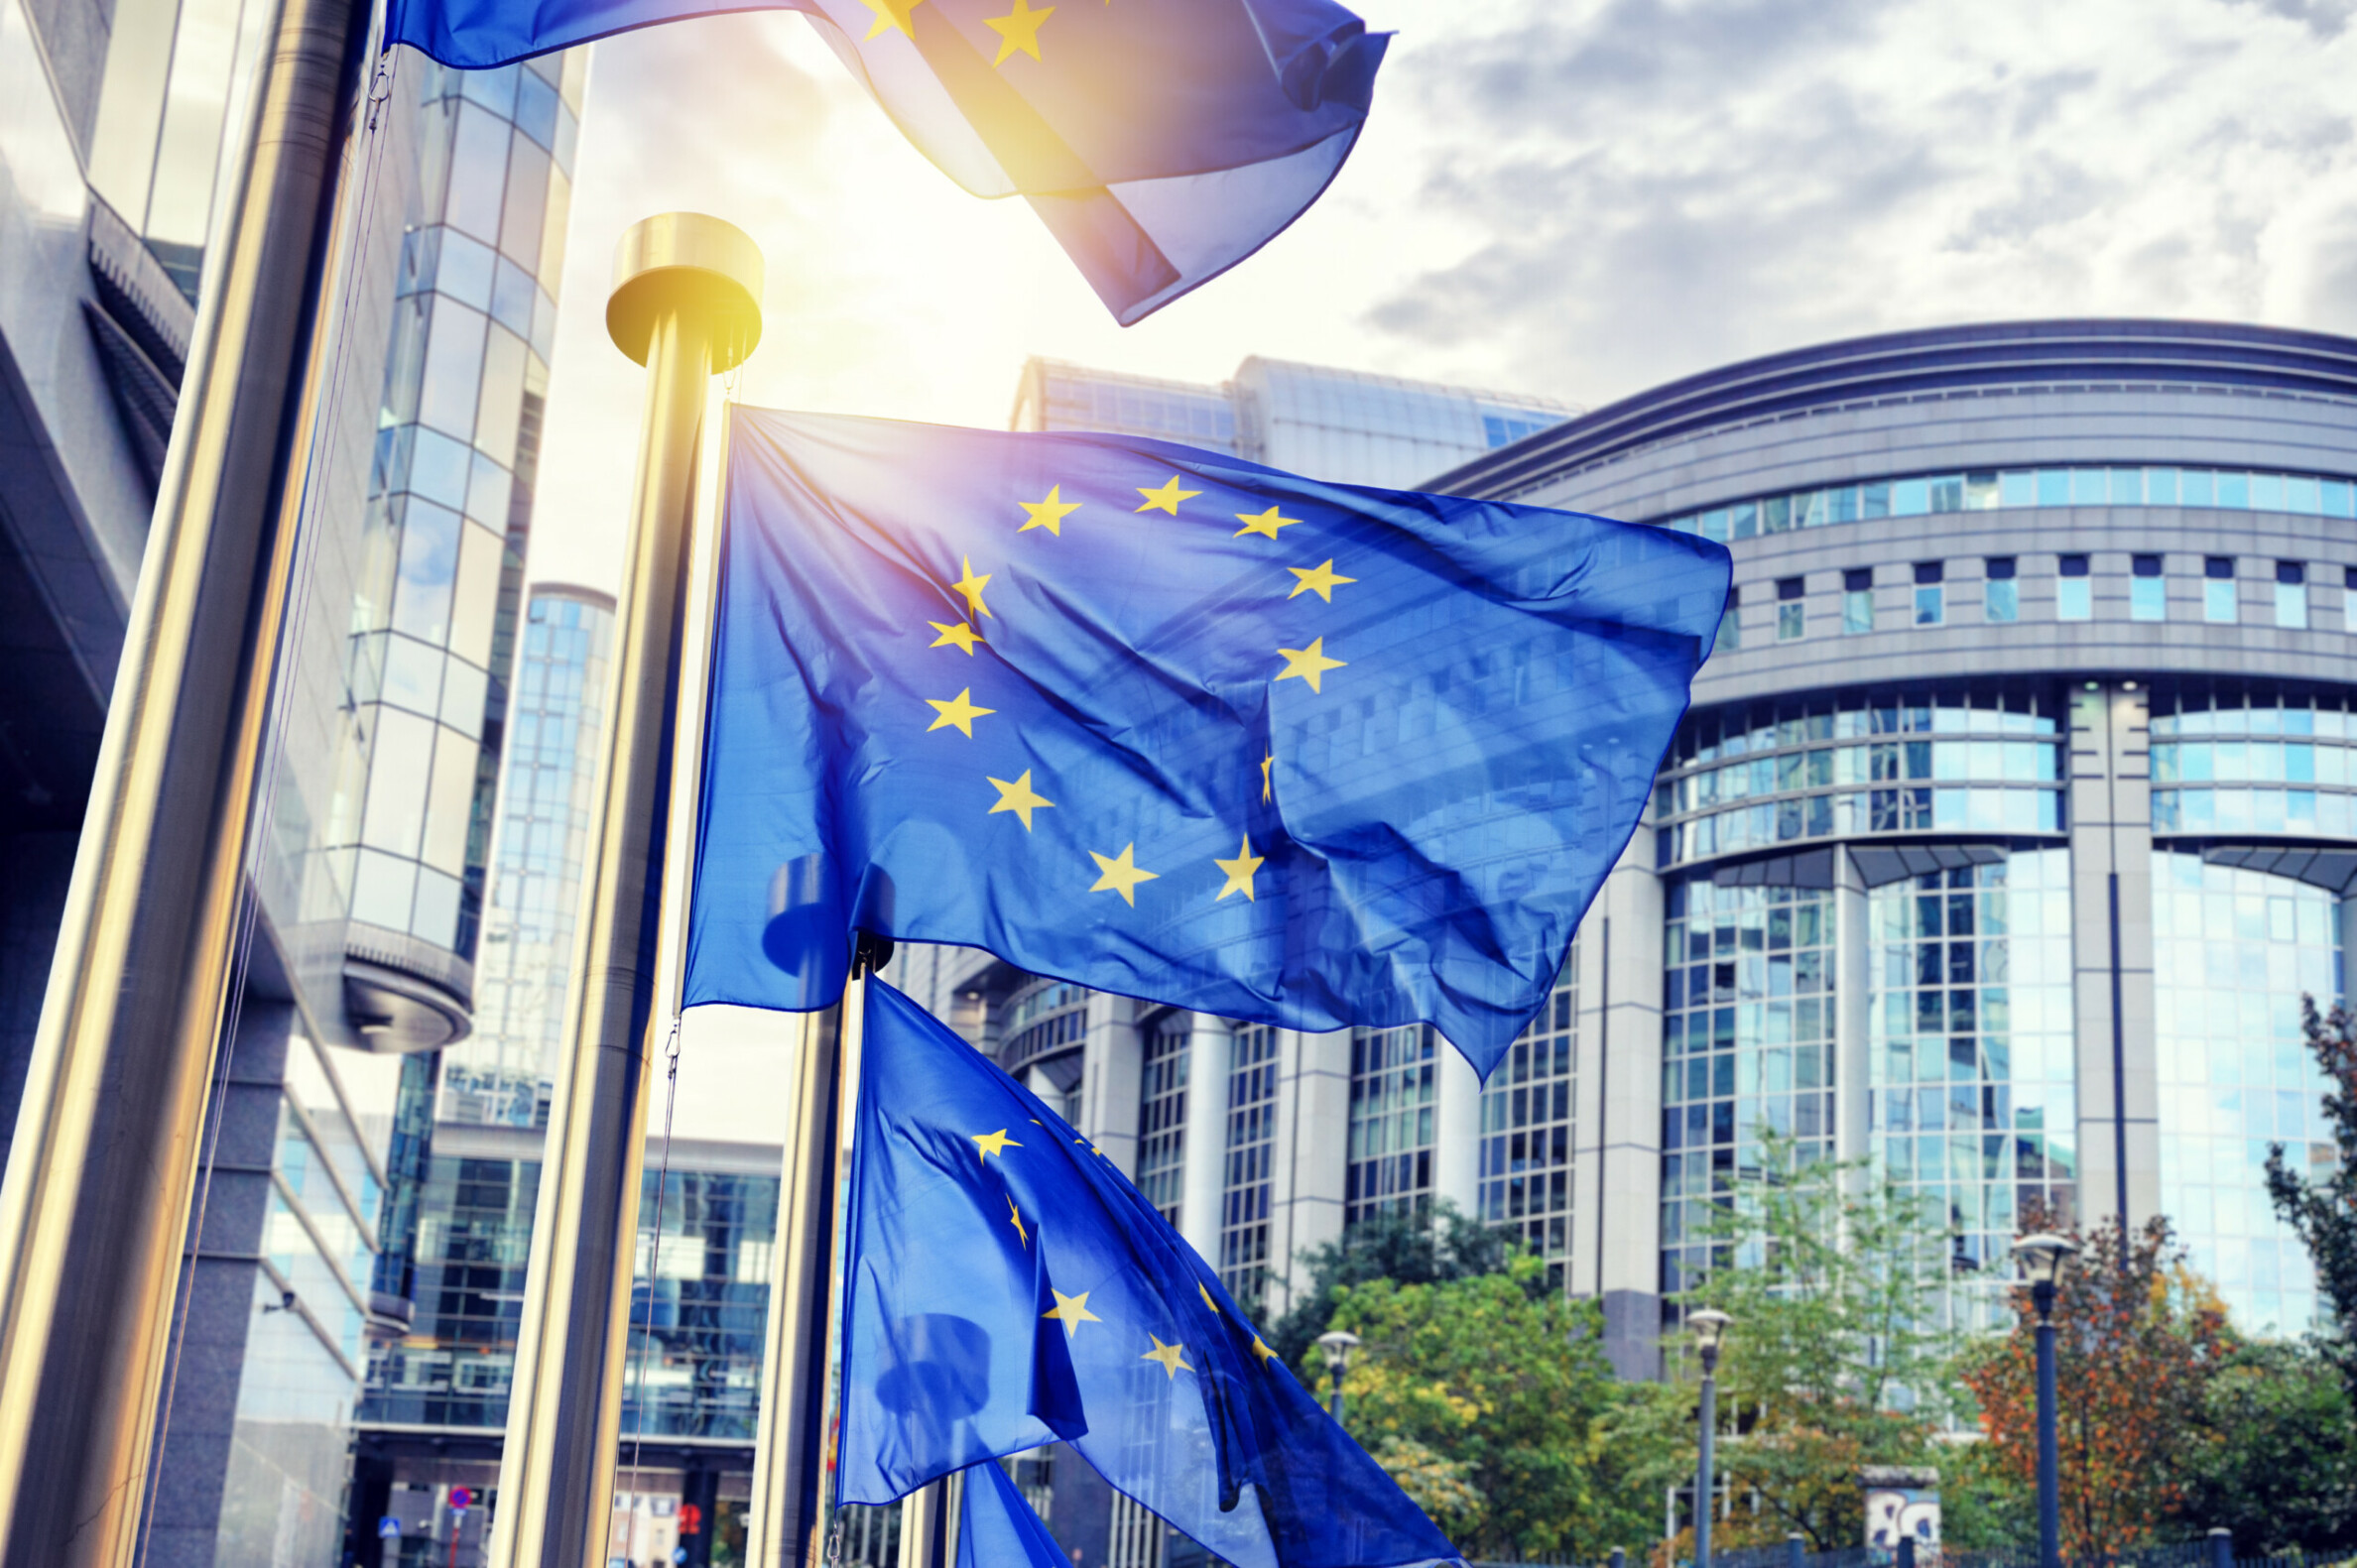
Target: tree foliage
1409, 1248
2278, 1464
2322, 1209
2137, 1345
1837, 1359
1488, 1397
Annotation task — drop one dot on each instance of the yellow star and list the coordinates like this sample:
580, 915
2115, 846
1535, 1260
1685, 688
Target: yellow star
1261, 1349
1072, 1311
1121, 874
1172, 1357
1166, 498
1320, 580
1018, 798
1204, 1291
891, 13
1239, 872
1019, 29
955, 634
1048, 513
971, 586
1268, 760
1265, 524
997, 1142
960, 711
1015, 1214
1309, 663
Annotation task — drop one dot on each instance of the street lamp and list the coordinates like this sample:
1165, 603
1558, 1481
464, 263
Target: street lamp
2044, 1257
1710, 1329
1337, 1344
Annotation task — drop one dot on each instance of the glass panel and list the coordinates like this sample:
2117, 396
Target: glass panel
413, 675
453, 369
383, 889
464, 271
428, 566
2002, 600
478, 172
450, 803
476, 598
2147, 599
525, 216
2073, 599
438, 467
503, 396
435, 918
397, 778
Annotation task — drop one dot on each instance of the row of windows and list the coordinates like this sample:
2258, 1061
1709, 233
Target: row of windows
1747, 729
2148, 595
1526, 1123
1991, 490
1249, 1156
1882, 761
2230, 811
1161, 1113
1392, 1089
1912, 810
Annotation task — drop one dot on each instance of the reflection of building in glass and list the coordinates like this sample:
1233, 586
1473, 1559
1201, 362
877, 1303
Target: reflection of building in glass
1345, 426
503, 1073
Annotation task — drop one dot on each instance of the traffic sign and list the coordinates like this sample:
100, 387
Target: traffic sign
690, 1520
461, 1499
388, 1529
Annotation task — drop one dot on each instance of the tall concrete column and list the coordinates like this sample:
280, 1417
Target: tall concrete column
1311, 1158
1203, 1184
1852, 1065
2111, 892
1114, 1058
1457, 1130
1616, 1211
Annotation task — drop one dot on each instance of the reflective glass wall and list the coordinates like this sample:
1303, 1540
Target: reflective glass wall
1527, 1128
2234, 951
1971, 1102
451, 485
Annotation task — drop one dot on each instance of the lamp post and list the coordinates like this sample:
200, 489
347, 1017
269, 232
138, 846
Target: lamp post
1710, 1329
1337, 1344
2044, 1259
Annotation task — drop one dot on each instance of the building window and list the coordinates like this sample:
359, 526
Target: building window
2291, 599
1747, 1047
1252, 1138
2148, 590
1250, 1144
1857, 601
2217, 590
2002, 600
1970, 1072
1161, 1113
1931, 606
1730, 632
1391, 1121
2349, 598
1526, 1129
1791, 610
2074, 599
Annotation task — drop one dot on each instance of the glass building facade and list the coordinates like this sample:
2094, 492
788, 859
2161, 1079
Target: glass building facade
1345, 426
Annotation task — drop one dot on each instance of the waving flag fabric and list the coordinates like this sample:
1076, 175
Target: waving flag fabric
1161, 141
998, 1529
1173, 725
970, 1203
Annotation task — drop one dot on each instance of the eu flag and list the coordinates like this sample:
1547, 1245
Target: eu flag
997, 1529
1172, 724
970, 1204
1161, 141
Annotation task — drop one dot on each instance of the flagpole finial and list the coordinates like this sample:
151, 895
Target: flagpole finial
693, 265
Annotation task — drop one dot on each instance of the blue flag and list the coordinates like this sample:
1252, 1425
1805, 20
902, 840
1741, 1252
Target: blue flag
971, 1203
1173, 725
998, 1529
1161, 141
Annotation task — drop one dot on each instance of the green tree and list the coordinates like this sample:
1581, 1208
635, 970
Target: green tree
1837, 1359
2322, 1207
2280, 1465
1410, 1247
1488, 1397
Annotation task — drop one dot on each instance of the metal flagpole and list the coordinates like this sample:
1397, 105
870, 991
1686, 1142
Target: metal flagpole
94, 1208
686, 305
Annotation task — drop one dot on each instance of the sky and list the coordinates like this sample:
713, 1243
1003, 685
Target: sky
1575, 198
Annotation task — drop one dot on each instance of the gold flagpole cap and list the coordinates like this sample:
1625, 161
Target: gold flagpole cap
704, 269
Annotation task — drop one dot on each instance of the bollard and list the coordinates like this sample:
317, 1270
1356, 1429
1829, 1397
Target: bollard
1907, 1551
1793, 1550
1619, 1560
2221, 1542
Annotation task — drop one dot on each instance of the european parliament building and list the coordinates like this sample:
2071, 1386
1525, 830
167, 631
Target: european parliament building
2012, 821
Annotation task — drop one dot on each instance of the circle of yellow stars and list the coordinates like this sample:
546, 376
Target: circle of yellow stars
1118, 872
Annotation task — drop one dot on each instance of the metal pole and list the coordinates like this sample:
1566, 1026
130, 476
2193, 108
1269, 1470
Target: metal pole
686, 305
1795, 1550
2221, 1545
1702, 1467
1335, 1403
2050, 1478
783, 1529
94, 1209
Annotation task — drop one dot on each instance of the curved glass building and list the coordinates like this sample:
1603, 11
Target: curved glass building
2013, 817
